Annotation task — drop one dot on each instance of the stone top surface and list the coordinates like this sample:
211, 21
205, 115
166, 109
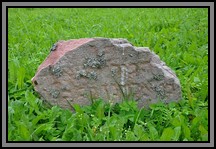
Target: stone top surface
64, 47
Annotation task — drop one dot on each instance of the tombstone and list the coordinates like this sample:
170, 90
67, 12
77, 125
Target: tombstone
77, 71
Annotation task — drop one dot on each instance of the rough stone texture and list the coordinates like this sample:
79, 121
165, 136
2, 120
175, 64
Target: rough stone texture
77, 70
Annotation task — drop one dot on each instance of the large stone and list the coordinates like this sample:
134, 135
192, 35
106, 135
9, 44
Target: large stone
77, 71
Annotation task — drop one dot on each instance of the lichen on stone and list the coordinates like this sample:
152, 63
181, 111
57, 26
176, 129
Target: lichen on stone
81, 73
92, 75
57, 71
54, 93
113, 71
97, 62
84, 73
160, 91
158, 77
101, 53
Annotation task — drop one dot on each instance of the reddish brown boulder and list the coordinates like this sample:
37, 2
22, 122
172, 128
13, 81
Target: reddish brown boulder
77, 70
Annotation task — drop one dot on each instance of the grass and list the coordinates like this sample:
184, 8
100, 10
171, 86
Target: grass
178, 35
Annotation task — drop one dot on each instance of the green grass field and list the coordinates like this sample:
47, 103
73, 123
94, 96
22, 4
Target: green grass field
178, 35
